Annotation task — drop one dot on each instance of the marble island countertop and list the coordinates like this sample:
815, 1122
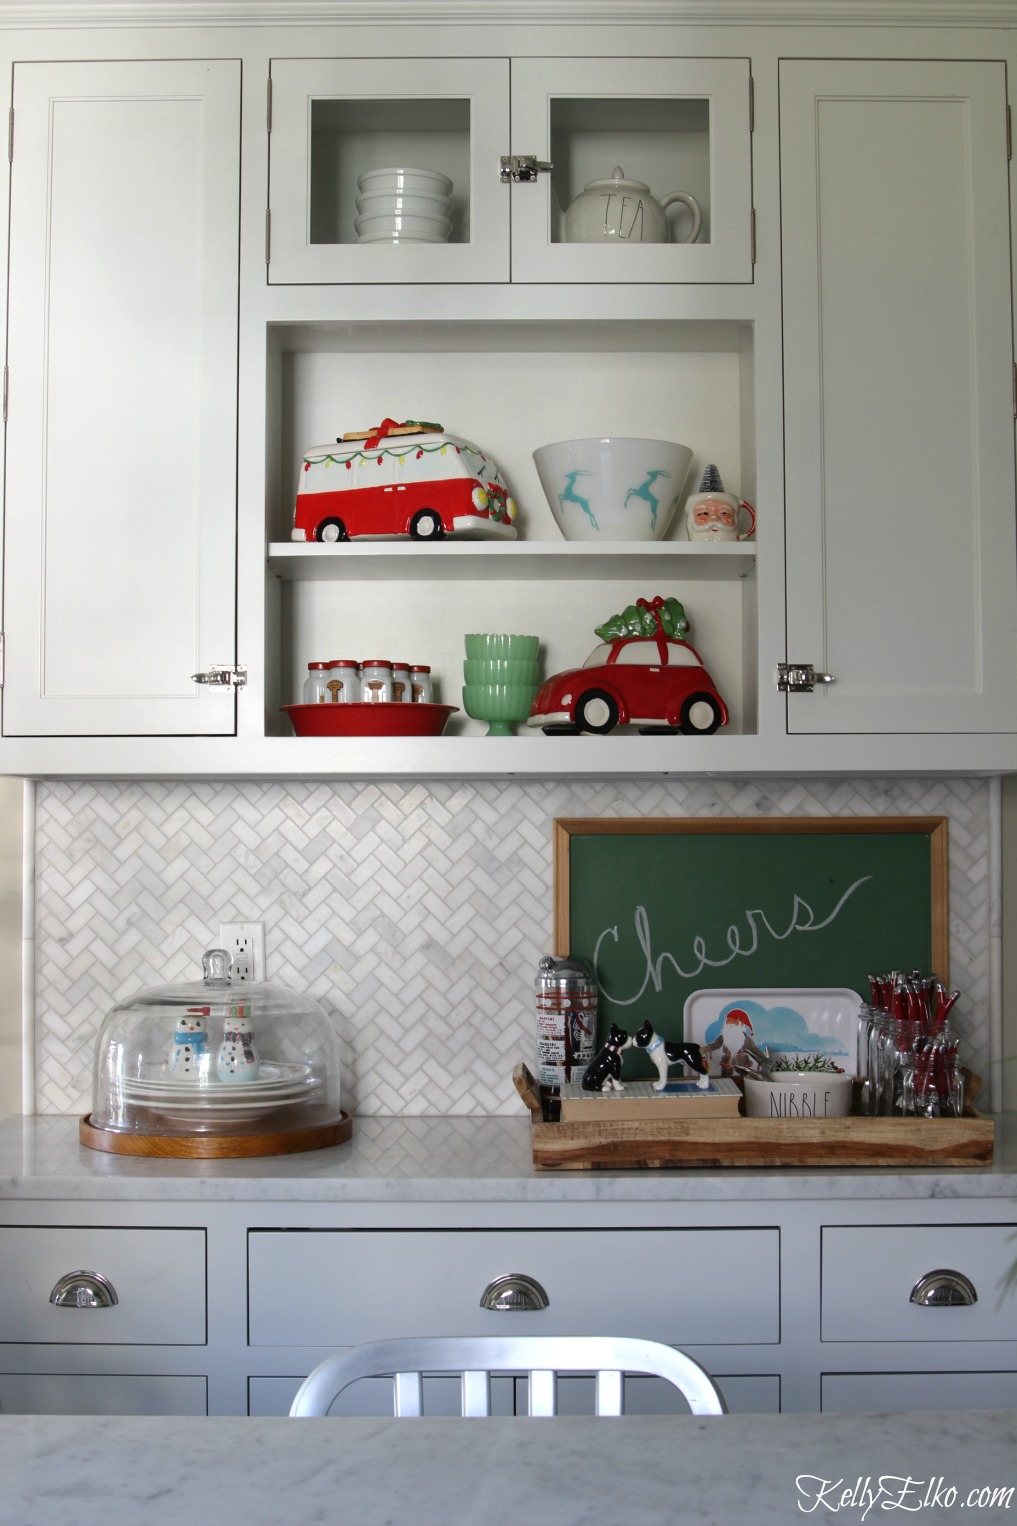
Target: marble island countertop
644, 1471
448, 1159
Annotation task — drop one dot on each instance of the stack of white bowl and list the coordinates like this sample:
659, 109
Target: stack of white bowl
398, 206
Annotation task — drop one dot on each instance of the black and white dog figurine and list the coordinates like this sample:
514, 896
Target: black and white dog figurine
664, 1054
605, 1067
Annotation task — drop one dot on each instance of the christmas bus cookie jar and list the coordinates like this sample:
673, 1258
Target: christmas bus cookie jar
395, 480
215, 1067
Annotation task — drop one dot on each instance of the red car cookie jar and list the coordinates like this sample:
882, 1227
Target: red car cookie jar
656, 683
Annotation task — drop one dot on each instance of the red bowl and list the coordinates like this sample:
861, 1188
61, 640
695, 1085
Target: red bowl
369, 720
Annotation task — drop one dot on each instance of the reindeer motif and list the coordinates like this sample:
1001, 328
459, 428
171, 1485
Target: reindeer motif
643, 492
571, 496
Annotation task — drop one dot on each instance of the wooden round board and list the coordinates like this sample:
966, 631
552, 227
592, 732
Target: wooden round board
317, 1136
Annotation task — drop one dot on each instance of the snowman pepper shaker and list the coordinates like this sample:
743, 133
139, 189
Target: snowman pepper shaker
238, 1057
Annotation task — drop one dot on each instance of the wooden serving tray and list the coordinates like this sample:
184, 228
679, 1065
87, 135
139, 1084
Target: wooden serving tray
310, 1136
845, 1142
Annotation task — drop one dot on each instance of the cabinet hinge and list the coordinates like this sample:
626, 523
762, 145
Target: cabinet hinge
6, 379
222, 677
10, 134
800, 677
752, 104
268, 235
268, 104
1013, 390
752, 236
1009, 132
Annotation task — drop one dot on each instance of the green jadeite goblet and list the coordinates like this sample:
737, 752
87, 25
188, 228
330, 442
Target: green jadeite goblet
501, 705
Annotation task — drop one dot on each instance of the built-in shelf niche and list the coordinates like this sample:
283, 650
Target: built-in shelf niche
509, 387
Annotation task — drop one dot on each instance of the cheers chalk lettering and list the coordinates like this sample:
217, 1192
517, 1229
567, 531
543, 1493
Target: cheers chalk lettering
756, 923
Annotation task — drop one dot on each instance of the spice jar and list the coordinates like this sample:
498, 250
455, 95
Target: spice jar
344, 681
401, 682
316, 684
376, 681
420, 684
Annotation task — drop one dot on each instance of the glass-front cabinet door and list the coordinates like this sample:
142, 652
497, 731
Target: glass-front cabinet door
340, 127
651, 170
620, 170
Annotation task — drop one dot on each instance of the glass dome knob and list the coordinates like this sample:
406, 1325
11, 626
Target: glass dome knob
215, 967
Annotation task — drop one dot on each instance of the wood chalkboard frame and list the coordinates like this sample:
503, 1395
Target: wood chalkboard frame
673, 832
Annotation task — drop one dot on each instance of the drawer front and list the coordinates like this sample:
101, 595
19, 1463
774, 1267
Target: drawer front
101, 1394
868, 1276
684, 1287
158, 1276
863, 1392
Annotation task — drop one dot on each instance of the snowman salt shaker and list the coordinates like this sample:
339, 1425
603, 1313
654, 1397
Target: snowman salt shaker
238, 1058
189, 1056
713, 515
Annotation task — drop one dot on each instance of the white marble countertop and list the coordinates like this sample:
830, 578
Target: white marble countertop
437, 1159
645, 1471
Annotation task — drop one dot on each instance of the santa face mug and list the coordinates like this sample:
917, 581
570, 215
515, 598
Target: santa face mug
713, 515
716, 516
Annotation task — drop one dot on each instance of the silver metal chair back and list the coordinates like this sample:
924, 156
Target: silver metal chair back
540, 1357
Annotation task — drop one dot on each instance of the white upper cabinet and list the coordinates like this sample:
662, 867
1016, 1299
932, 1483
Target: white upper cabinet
120, 537
671, 125
845, 361
899, 432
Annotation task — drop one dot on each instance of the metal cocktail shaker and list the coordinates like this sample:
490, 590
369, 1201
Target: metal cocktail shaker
566, 996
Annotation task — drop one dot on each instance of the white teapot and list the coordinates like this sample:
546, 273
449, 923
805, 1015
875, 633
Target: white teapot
625, 211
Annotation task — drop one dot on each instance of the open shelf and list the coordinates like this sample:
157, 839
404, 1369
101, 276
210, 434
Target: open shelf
509, 387
293, 562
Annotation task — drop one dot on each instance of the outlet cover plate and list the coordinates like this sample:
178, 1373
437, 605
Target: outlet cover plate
245, 943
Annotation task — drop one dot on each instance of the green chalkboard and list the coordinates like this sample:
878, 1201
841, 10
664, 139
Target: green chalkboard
662, 908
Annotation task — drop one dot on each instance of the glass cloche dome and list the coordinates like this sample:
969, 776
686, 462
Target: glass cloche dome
216, 1059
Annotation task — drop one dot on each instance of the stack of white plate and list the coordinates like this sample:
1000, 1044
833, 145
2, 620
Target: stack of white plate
398, 206
212, 1101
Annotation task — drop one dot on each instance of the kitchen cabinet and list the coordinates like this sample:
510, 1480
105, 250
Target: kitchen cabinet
791, 1288
684, 124
96, 1317
120, 518
898, 368
761, 346
939, 1288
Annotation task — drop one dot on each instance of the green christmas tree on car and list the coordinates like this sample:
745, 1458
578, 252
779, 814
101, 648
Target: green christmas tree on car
647, 617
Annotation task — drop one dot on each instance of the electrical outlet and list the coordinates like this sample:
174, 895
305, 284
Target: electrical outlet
245, 943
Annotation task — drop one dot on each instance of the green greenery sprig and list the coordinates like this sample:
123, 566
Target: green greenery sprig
811, 1063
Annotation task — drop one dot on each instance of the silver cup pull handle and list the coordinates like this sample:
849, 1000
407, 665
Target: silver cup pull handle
514, 1293
943, 1289
83, 1290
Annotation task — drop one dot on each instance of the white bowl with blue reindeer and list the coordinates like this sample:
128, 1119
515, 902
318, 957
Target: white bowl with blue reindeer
613, 488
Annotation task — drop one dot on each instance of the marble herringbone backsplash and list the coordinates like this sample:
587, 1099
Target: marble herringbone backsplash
414, 913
